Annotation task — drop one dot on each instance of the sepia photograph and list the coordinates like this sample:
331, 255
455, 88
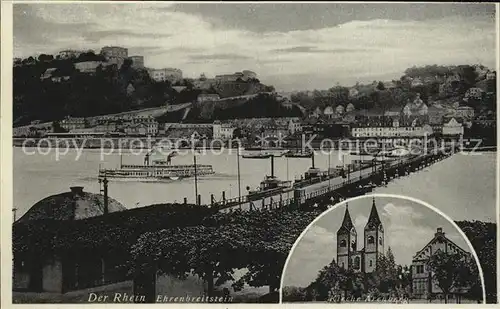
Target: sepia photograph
381, 249
174, 152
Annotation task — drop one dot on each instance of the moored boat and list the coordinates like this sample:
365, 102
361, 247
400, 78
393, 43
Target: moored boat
257, 156
298, 154
271, 185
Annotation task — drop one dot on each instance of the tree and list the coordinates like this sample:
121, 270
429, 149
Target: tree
450, 271
56, 127
45, 58
292, 293
259, 241
482, 236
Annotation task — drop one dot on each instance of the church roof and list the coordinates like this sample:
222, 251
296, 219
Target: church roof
347, 222
374, 219
73, 205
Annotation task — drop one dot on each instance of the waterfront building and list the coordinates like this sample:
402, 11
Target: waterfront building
106, 126
294, 125
88, 66
167, 74
115, 54
392, 131
70, 123
207, 97
360, 260
223, 131
274, 130
175, 125
137, 62
453, 127
140, 125
135, 129
422, 283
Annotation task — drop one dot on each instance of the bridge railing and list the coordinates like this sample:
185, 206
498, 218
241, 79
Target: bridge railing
277, 200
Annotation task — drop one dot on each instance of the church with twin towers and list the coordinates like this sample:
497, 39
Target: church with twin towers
365, 259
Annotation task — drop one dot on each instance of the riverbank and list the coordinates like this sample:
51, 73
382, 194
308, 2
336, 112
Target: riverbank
149, 142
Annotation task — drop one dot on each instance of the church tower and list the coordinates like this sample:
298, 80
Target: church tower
374, 240
346, 241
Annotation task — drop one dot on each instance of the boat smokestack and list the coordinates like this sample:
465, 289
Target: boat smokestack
105, 192
272, 166
312, 158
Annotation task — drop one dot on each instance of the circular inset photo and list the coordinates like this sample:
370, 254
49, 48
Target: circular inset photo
386, 249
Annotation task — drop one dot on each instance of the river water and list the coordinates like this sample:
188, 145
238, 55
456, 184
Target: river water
463, 186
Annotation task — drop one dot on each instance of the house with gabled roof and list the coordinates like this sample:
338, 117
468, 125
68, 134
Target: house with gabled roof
422, 283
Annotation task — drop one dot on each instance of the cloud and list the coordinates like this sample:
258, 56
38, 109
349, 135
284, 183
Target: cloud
97, 36
218, 57
310, 49
313, 52
283, 17
315, 250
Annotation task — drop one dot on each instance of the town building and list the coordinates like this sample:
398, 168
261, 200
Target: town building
465, 112
222, 131
294, 126
328, 112
106, 126
203, 82
417, 107
137, 62
422, 283
115, 54
71, 53
491, 75
88, 66
167, 74
350, 108
360, 260
140, 125
207, 97
70, 123
453, 127
275, 131
243, 76
474, 93
392, 131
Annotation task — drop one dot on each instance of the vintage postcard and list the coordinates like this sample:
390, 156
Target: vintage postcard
225, 152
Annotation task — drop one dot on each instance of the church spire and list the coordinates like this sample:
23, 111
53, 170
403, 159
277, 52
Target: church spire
347, 222
374, 219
